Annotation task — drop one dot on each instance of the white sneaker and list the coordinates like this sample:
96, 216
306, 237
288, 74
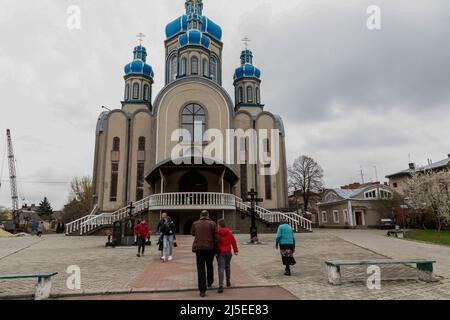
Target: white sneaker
163, 258
170, 258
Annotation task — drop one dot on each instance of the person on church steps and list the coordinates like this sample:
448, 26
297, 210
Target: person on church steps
142, 231
205, 246
285, 240
167, 228
227, 241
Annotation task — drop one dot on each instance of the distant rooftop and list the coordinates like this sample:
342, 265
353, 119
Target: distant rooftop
432, 166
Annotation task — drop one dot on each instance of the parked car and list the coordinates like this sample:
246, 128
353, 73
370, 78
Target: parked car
385, 224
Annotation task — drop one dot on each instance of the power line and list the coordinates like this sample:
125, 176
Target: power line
41, 182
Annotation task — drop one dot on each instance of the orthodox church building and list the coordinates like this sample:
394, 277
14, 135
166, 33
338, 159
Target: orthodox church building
134, 160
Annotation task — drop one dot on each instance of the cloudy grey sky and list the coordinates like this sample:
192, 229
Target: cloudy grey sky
349, 97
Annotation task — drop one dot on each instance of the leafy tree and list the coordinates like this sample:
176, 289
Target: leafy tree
306, 176
45, 208
5, 214
386, 207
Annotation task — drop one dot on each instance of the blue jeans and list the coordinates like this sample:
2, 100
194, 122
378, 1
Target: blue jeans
224, 261
168, 239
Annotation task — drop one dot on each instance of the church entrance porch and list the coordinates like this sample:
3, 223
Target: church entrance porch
183, 219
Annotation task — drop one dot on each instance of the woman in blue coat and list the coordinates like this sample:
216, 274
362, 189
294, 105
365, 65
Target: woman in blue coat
285, 240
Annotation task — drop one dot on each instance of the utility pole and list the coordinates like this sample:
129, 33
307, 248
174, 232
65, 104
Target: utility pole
362, 175
12, 179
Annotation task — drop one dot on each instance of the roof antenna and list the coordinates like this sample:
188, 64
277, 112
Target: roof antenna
376, 173
362, 175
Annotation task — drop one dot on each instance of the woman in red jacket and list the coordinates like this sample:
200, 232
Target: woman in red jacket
226, 242
142, 231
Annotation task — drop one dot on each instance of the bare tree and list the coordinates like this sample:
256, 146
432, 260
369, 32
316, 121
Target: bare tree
306, 176
431, 190
80, 199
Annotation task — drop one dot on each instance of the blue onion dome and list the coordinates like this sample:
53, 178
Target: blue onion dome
194, 10
138, 65
247, 69
194, 38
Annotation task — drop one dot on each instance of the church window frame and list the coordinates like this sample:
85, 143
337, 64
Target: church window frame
173, 67
249, 94
114, 182
240, 95
213, 69
194, 65
191, 113
116, 144
136, 91
146, 92
205, 67
183, 66
258, 98
127, 91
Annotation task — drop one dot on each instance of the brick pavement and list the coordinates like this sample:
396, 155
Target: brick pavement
120, 271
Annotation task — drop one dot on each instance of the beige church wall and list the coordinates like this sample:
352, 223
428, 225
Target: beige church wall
99, 167
116, 126
244, 121
282, 177
176, 99
141, 127
266, 121
253, 110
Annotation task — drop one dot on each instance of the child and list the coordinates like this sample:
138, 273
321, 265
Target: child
226, 242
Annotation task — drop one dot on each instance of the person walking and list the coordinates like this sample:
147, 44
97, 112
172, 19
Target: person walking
205, 244
285, 240
142, 231
227, 241
167, 228
40, 229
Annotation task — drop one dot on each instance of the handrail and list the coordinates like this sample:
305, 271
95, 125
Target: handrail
192, 199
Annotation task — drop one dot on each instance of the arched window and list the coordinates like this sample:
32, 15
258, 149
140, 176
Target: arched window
194, 65
258, 99
127, 92
173, 68
194, 116
116, 144
249, 94
141, 144
213, 69
136, 90
146, 92
240, 95
205, 67
183, 66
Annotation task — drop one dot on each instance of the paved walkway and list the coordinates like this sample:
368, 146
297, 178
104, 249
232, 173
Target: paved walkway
107, 270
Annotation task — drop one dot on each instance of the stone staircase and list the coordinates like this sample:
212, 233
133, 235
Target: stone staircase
95, 220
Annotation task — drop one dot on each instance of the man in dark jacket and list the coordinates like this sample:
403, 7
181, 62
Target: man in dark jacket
204, 246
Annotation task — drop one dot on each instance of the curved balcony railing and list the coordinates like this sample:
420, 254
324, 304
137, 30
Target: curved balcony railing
192, 200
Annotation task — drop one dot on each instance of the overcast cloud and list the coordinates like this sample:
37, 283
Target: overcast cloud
349, 97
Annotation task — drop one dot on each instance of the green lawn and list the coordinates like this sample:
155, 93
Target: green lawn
430, 236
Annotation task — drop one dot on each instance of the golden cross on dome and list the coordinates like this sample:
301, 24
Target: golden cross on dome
246, 40
141, 37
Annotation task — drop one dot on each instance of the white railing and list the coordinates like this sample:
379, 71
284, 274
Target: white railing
185, 200
109, 218
295, 220
76, 225
189, 200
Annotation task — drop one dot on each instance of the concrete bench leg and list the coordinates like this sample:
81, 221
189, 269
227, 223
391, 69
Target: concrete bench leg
425, 272
43, 289
334, 275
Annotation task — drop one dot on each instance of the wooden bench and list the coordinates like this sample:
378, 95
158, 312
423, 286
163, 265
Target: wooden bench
424, 267
43, 286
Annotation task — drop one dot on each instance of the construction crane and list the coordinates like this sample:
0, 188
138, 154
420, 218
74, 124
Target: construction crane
12, 179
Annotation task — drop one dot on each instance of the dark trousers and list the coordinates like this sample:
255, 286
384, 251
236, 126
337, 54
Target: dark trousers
224, 261
205, 268
141, 244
